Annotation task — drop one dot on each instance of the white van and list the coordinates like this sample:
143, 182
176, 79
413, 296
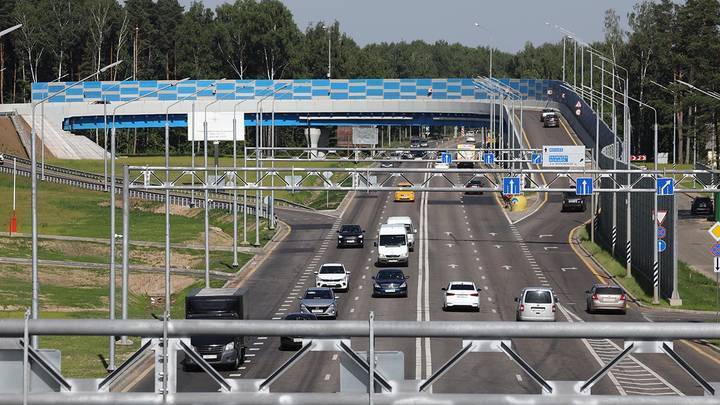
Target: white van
392, 244
409, 229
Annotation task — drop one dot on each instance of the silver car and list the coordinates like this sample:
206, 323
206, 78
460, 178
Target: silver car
606, 297
536, 304
319, 301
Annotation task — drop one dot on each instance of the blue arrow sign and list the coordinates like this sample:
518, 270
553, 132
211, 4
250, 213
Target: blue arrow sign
489, 158
536, 159
662, 245
584, 186
446, 157
665, 186
511, 185
662, 232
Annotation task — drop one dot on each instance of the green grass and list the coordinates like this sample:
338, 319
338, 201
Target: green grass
696, 290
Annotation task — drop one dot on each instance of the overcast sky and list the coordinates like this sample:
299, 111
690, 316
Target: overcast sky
512, 22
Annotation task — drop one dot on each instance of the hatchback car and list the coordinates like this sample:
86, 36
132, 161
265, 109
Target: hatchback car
702, 206
404, 195
350, 235
390, 282
536, 304
461, 294
333, 275
606, 297
294, 342
572, 202
473, 187
319, 301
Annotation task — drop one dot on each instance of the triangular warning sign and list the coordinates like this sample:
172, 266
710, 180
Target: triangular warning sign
661, 216
578, 105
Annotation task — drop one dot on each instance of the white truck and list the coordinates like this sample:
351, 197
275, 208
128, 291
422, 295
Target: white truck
409, 229
392, 244
466, 156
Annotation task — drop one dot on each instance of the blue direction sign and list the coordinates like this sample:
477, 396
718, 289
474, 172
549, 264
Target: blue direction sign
511, 185
446, 157
584, 186
489, 158
715, 250
536, 158
662, 232
665, 186
662, 245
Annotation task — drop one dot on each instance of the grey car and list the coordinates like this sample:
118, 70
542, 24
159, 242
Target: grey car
319, 301
606, 297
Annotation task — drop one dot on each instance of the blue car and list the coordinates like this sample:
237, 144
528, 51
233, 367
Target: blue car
390, 283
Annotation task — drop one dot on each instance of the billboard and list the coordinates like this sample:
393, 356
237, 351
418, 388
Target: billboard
219, 126
365, 135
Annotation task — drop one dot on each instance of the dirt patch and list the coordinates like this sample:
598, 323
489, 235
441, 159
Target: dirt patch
154, 284
137, 204
157, 258
75, 249
56, 277
217, 238
10, 140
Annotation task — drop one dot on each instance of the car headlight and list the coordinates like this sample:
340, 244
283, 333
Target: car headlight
360, 236
229, 346
403, 285
303, 308
339, 236
376, 285
331, 308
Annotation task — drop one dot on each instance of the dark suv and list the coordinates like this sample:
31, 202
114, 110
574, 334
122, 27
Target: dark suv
350, 235
702, 206
573, 202
551, 120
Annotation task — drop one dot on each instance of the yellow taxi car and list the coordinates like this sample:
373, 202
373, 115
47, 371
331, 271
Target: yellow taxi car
405, 195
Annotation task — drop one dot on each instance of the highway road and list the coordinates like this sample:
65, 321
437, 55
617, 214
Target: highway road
460, 237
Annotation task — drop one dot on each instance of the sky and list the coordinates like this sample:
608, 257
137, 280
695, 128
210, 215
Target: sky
508, 24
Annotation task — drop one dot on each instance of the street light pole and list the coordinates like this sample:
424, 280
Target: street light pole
491, 47
235, 224
105, 130
329, 71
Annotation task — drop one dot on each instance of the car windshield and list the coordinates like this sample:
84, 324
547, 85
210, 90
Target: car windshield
538, 297
462, 287
392, 240
569, 196
475, 183
390, 275
350, 229
608, 290
332, 270
318, 295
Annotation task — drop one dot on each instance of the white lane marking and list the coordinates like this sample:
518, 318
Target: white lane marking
235, 375
249, 355
327, 377
494, 311
482, 277
489, 299
242, 368
254, 349
518, 377
357, 298
275, 318
262, 337
360, 287
334, 357
363, 277
258, 343
352, 310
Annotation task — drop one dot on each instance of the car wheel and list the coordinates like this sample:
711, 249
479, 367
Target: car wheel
236, 363
444, 308
517, 317
404, 295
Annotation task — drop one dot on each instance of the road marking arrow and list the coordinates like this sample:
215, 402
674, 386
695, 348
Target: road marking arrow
568, 268
549, 247
506, 267
453, 266
545, 236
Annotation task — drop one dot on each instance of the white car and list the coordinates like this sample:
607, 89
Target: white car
536, 304
333, 275
461, 294
441, 165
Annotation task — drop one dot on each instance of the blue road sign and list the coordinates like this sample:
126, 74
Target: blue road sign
662, 232
665, 186
489, 158
536, 158
511, 185
662, 245
715, 250
446, 157
584, 186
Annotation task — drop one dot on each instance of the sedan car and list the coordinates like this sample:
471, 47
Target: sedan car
441, 165
404, 195
473, 187
293, 342
461, 294
333, 275
606, 297
350, 235
551, 121
319, 301
545, 112
390, 282
536, 304
702, 206
572, 202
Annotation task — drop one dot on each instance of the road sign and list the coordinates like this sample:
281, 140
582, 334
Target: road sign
665, 186
578, 112
662, 232
715, 250
714, 231
536, 158
578, 104
489, 158
662, 245
563, 156
661, 214
511, 185
446, 157
638, 158
584, 186
716, 264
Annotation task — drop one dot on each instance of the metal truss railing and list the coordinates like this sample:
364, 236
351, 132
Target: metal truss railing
169, 337
432, 179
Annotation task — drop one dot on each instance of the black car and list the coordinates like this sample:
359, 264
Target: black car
702, 206
415, 143
390, 283
290, 342
545, 112
573, 202
473, 187
350, 235
551, 120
